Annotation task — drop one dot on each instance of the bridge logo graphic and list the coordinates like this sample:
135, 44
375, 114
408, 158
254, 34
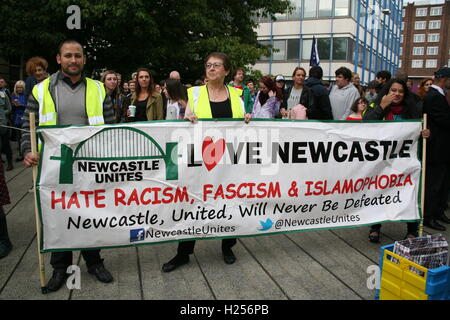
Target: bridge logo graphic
117, 144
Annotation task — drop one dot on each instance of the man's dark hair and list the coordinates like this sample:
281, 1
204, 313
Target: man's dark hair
69, 41
316, 72
384, 74
345, 72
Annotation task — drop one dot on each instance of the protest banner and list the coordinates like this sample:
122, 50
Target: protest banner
152, 182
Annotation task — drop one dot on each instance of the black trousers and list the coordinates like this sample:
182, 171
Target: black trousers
3, 225
437, 185
6, 147
62, 260
413, 227
187, 247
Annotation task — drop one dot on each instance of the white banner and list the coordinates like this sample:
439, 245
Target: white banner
130, 184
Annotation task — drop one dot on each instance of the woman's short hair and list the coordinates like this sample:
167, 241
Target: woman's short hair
19, 83
33, 63
222, 56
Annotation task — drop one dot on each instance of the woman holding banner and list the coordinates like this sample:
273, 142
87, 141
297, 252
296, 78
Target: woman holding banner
394, 102
214, 100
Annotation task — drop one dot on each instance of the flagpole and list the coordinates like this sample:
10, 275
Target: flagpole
424, 160
38, 220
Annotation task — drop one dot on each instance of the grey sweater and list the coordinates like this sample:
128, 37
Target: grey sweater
70, 107
341, 100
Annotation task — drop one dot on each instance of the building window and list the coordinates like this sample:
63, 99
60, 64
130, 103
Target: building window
418, 51
293, 49
434, 24
264, 43
340, 49
281, 52
341, 8
310, 9
280, 16
431, 63
355, 9
323, 45
403, 26
421, 12
432, 51
297, 12
401, 51
306, 49
433, 37
417, 64
400, 63
420, 25
419, 38
325, 8
403, 13
401, 38
436, 11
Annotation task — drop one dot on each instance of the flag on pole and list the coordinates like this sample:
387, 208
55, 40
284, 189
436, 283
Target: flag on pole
314, 60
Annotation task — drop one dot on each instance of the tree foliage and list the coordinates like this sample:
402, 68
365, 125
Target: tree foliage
162, 35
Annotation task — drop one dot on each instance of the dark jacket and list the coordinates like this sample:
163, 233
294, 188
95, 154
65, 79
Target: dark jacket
438, 110
322, 106
306, 99
412, 110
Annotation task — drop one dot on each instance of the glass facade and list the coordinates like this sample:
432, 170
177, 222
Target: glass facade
373, 45
289, 49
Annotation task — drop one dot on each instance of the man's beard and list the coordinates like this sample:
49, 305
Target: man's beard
73, 73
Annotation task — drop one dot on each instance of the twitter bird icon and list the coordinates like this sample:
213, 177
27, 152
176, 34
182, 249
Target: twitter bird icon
266, 225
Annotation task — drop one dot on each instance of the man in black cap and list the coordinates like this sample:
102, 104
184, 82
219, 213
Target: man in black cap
437, 181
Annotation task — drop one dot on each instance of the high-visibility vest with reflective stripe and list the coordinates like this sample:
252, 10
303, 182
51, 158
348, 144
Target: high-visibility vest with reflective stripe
95, 95
199, 102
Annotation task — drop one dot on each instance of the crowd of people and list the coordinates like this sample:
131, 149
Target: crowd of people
68, 97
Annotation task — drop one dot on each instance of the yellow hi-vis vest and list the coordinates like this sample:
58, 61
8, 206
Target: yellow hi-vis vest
199, 102
95, 95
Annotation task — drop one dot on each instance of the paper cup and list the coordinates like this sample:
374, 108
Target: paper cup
132, 111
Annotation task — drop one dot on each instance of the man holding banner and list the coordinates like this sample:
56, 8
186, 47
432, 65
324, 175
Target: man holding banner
68, 97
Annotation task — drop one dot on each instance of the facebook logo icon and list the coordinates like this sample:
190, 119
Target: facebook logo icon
137, 235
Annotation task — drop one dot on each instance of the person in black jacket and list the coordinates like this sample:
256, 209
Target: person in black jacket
322, 106
437, 180
298, 94
394, 102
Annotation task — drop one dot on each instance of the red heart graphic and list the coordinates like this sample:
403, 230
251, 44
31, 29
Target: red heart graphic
212, 152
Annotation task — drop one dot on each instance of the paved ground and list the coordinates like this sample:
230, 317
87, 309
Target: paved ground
310, 265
